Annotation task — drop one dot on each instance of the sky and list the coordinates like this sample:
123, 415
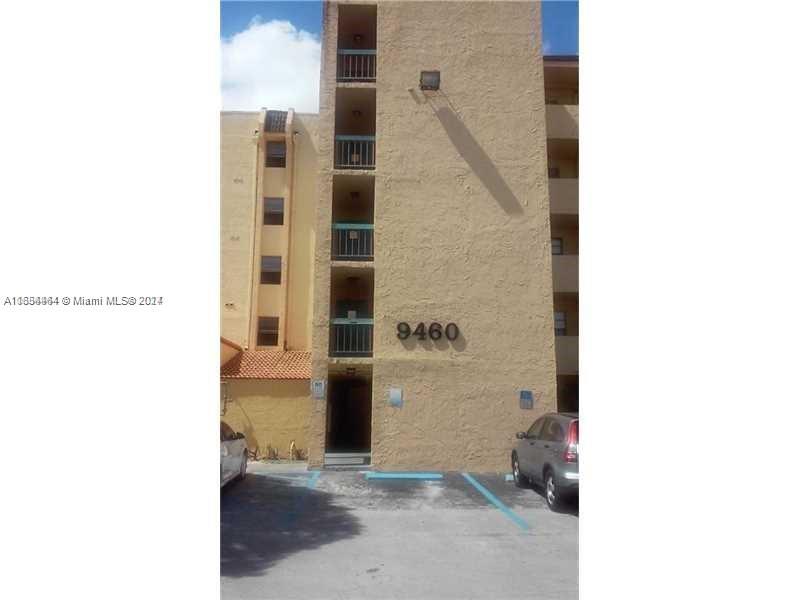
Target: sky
288, 32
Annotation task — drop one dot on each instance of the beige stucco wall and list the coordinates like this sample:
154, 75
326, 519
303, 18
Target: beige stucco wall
300, 270
271, 413
293, 241
565, 273
238, 167
567, 354
562, 121
564, 196
462, 233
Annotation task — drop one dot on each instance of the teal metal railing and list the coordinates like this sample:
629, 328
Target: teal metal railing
354, 152
352, 241
351, 337
356, 65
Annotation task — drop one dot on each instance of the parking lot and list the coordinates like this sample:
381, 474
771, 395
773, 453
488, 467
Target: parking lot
290, 533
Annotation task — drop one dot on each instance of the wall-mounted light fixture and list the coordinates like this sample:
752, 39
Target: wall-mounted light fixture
357, 38
429, 80
357, 113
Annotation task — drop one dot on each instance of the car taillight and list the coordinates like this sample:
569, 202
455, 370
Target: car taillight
571, 453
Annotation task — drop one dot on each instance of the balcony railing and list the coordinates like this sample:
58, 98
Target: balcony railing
355, 152
356, 65
351, 337
352, 241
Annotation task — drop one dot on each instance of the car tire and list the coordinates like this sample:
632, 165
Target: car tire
243, 468
519, 479
552, 492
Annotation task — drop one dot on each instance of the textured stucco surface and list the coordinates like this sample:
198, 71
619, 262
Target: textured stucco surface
238, 167
245, 182
301, 280
562, 121
462, 233
271, 413
564, 196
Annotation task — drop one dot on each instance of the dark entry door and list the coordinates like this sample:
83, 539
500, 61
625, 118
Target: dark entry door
350, 414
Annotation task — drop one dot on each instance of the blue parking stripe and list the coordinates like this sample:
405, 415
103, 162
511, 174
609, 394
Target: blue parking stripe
521, 523
403, 475
312, 482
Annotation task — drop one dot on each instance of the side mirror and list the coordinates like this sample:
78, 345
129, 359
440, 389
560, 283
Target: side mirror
521, 435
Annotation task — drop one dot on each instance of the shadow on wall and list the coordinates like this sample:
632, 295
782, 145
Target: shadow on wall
265, 519
480, 163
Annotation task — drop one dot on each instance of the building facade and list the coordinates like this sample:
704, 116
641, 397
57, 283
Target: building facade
561, 98
422, 233
267, 200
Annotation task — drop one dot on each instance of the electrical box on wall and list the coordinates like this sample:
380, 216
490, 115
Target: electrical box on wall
396, 397
526, 399
318, 389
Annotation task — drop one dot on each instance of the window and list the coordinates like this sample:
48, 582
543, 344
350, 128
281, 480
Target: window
558, 245
552, 431
535, 429
267, 331
271, 269
560, 319
553, 172
276, 154
273, 211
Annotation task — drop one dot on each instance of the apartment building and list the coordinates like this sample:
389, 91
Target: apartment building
268, 199
561, 98
412, 306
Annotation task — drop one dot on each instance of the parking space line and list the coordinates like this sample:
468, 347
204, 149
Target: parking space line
519, 521
312, 482
402, 475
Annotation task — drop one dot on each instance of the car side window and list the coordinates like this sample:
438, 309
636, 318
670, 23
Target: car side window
536, 428
553, 432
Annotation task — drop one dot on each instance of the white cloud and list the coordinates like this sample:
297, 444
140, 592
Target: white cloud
272, 65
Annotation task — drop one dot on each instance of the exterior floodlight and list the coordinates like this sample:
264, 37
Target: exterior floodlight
429, 80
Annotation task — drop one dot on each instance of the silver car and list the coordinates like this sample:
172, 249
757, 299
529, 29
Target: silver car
548, 454
232, 454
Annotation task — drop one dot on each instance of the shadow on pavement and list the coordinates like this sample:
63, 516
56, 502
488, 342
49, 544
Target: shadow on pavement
264, 520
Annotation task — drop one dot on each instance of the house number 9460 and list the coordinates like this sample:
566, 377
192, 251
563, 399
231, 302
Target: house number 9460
435, 331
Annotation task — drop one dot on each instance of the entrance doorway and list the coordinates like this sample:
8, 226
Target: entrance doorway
349, 420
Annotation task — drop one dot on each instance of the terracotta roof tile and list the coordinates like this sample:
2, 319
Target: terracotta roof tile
268, 364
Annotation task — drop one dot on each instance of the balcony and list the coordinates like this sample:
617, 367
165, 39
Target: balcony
351, 337
354, 152
565, 273
355, 65
564, 196
567, 354
562, 121
352, 241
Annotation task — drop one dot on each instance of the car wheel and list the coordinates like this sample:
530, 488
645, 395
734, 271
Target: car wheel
519, 478
243, 468
552, 493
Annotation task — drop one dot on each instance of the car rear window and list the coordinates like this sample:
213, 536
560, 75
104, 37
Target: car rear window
553, 431
225, 432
